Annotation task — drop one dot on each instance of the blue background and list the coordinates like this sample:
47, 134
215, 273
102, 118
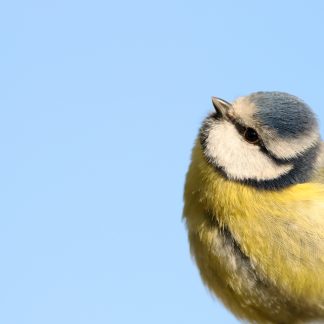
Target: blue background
100, 104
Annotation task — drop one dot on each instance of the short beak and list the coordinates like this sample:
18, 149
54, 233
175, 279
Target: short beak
221, 105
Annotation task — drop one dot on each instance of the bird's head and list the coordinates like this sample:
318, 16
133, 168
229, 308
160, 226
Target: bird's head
267, 139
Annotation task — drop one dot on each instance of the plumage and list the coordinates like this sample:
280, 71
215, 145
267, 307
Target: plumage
259, 249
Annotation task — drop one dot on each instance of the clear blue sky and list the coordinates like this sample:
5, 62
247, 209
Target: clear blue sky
100, 105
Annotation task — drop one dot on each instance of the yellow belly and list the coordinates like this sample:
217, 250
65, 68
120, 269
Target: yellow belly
263, 259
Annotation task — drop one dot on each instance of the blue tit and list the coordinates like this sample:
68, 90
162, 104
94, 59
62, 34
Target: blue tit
254, 207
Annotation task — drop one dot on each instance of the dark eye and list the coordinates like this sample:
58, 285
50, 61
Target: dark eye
251, 135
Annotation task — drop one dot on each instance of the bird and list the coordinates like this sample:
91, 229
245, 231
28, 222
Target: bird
254, 207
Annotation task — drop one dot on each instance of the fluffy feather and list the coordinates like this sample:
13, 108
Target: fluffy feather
261, 252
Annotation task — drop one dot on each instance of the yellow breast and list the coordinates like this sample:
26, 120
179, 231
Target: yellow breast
277, 258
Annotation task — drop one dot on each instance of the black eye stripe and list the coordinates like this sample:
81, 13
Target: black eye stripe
246, 131
240, 128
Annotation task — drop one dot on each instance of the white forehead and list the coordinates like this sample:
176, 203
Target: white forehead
245, 110
282, 148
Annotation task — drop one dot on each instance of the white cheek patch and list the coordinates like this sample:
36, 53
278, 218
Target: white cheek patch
239, 159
